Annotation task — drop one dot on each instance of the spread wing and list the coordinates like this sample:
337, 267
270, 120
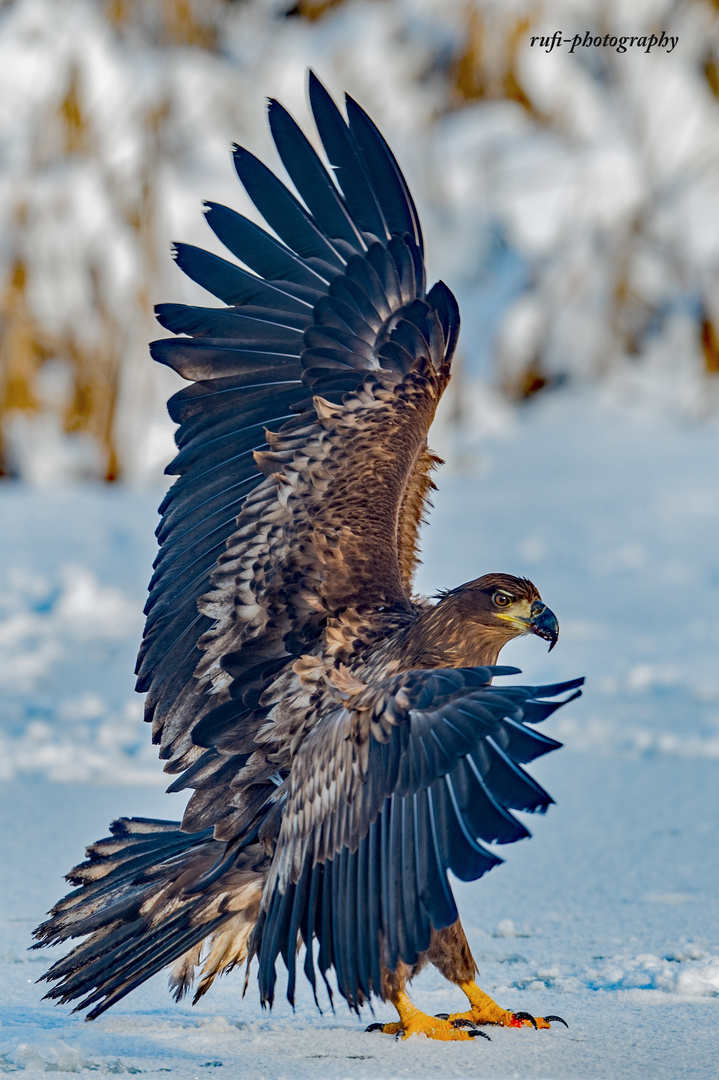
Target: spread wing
384, 797
302, 458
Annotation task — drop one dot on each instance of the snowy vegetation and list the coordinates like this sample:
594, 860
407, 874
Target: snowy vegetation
570, 198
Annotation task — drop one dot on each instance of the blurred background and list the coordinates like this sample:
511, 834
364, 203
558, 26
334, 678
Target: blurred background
571, 201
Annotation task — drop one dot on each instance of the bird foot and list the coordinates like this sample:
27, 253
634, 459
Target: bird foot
432, 1027
486, 1011
504, 1018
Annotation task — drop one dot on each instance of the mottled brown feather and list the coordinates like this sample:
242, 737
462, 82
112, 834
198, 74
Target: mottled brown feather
413, 511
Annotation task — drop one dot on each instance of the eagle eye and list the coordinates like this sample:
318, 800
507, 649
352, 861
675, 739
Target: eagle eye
501, 599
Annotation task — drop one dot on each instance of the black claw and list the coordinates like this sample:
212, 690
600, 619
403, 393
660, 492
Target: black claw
557, 1018
525, 1016
473, 1032
399, 1035
441, 1016
374, 1027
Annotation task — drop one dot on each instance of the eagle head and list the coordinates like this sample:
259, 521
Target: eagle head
491, 610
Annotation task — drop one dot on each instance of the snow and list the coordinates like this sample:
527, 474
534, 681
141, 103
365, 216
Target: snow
608, 916
71, 598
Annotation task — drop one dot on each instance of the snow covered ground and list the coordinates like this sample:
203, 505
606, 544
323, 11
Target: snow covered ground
609, 916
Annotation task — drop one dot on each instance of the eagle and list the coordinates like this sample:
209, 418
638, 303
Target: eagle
344, 740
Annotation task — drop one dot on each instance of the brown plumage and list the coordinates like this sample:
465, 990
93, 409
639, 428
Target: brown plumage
342, 737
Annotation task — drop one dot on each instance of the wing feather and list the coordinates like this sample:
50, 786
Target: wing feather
386, 178
346, 160
234, 285
263, 254
284, 213
383, 841
311, 178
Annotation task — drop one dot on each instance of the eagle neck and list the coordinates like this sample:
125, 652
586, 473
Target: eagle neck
443, 636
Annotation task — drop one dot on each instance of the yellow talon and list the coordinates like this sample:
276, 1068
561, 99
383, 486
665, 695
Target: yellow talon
504, 1019
486, 1011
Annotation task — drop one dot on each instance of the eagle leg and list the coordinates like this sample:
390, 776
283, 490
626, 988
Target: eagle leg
450, 953
414, 1022
486, 1011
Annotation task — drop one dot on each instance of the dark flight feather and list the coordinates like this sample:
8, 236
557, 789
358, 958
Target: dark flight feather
282, 211
461, 794
397, 205
258, 250
311, 179
346, 160
236, 286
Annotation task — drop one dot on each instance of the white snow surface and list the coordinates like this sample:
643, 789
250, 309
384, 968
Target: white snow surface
608, 917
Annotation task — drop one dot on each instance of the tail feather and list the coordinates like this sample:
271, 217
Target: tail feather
130, 977
113, 862
138, 908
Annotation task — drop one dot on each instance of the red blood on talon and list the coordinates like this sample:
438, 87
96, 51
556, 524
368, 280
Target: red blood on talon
521, 1017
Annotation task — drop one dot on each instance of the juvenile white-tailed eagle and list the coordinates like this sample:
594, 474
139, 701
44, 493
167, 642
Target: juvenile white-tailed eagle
341, 736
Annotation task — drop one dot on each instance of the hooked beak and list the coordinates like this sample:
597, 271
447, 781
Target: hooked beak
543, 623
